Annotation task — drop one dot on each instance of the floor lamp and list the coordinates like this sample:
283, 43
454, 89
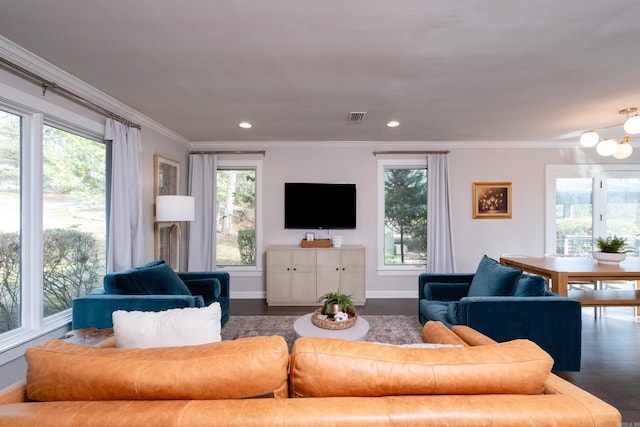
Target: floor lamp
175, 209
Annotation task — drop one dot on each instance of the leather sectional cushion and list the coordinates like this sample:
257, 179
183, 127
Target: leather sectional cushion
242, 368
330, 367
438, 333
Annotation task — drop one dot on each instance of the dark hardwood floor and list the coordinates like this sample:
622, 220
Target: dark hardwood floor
610, 347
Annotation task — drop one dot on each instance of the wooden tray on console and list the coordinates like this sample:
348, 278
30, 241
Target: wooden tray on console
318, 243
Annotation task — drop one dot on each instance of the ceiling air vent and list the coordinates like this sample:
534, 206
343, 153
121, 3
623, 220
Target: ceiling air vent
356, 117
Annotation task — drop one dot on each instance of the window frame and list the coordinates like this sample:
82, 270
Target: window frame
256, 166
35, 113
597, 173
384, 164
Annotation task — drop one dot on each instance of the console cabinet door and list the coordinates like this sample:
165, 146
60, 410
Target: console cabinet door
328, 268
352, 274
342, 269
291, 276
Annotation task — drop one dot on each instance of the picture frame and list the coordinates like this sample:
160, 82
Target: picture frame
492, 200
166, 174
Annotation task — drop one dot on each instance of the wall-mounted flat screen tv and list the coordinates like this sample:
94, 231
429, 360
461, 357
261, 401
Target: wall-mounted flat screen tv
319, 206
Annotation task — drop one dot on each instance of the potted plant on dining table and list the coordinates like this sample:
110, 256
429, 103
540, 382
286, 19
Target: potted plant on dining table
611, 250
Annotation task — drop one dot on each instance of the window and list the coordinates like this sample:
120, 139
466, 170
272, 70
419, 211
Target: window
402, 188
10, 288
237, 221
589, 202
53, 220
74, 218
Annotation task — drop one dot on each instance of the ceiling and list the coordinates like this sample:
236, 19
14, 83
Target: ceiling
464, 70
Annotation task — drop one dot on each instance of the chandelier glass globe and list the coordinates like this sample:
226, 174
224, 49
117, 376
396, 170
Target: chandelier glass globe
607, 147
632, 125
623, 151
589, 139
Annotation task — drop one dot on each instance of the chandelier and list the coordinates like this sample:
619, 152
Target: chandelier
620, 148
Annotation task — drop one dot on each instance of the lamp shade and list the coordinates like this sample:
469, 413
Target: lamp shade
175, 208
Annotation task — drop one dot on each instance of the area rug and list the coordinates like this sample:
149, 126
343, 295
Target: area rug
387, 329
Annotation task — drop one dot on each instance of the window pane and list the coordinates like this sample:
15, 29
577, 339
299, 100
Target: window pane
405, 216
236, 217
623, 210
10, 293
574, 216
74, 218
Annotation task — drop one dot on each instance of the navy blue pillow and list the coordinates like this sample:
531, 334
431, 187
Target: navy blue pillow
493, 279
209, 286
529, 285
154, 278
123, 283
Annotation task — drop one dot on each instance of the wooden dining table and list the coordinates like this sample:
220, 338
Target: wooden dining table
565, 270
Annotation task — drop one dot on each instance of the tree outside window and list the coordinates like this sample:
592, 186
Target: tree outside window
10, 288
74, 217
236, 217
405, 216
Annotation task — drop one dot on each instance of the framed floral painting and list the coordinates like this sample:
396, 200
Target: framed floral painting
492, 200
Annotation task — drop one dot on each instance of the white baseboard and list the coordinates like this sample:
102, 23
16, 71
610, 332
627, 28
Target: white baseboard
392, 294
248, 295
370, 294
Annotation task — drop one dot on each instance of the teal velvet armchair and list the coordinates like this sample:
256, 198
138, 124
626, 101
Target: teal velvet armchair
505, 304
151, 287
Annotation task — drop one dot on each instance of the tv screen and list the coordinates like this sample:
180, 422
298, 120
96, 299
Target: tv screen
319, 206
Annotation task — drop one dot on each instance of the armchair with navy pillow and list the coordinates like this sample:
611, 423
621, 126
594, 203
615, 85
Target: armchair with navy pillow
505, 304
150, 287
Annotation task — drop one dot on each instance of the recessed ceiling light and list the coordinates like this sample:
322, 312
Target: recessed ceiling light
393, 124
245, 125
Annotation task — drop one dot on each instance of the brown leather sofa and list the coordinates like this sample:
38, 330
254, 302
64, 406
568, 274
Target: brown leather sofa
256, 382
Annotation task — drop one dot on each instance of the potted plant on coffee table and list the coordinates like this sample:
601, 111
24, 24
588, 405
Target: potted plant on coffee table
337, 301
611, 250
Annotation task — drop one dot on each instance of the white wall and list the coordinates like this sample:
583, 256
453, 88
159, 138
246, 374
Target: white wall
345, 162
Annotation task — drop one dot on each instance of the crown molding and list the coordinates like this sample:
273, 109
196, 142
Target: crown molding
31, 62
380, 145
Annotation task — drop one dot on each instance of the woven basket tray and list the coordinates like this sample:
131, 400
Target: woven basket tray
318, 243
329, 323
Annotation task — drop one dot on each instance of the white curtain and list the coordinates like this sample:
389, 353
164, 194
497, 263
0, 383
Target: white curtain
440, 258
125, 248
202, 231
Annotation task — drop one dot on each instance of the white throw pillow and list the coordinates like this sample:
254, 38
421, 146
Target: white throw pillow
170, 328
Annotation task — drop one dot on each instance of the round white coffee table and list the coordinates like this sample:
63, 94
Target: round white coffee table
304, 328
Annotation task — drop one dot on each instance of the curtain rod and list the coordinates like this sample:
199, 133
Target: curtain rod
229, 152
46, 85
375, 152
